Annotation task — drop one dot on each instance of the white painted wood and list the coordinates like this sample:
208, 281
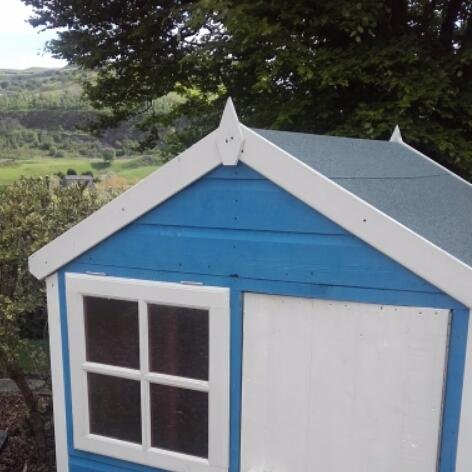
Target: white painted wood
464, 446
396, 135
359, 217
115, 371
57, 373
218, 428
173, 381
169, 179
214, 299
150, 291
229, 140
335, 386
145, 384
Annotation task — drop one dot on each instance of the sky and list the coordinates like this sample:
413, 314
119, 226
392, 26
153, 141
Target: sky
21, 45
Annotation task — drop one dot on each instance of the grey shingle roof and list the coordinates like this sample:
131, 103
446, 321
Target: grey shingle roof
398, 181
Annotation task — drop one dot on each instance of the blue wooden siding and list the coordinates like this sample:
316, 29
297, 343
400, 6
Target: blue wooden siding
234, 228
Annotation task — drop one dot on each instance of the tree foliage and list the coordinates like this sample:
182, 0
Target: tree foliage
32, 212
342, 67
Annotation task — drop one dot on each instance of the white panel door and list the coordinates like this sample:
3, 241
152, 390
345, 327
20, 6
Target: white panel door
333, 387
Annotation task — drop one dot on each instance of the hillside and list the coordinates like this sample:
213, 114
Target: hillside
42, 113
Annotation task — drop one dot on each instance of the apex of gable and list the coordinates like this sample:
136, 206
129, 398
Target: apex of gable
229, 140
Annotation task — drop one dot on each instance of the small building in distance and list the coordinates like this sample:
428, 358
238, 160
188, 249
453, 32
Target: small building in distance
83, 180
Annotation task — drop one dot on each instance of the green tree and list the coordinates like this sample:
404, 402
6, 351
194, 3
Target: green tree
32, 212
340, 67
108, 155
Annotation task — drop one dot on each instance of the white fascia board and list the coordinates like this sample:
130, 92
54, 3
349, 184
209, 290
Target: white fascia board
169, 179
358, 217
230, 137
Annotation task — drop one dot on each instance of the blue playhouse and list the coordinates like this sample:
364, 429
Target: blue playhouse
267, 301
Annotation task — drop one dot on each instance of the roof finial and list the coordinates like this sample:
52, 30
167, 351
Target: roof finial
396, 135
230, 136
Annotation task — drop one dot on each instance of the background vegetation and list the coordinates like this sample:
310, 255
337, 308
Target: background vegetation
353, 68
32, 212
148, 78
44, 130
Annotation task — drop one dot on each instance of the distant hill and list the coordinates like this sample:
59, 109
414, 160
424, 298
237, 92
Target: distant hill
37, 87
42, 113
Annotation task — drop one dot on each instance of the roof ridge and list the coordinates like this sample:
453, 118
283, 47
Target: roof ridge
328, 136
404, 177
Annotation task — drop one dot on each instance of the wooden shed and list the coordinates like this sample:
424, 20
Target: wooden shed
267, 301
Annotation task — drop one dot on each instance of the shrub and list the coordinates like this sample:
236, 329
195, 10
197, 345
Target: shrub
108, 155
32, 212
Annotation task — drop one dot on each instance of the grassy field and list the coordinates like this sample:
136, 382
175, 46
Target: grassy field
39, 167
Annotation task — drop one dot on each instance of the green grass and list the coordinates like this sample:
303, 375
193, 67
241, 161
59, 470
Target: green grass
42, 167
134, 175
48, 166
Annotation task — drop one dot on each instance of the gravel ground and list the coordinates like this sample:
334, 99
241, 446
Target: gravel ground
19, 454
8, 386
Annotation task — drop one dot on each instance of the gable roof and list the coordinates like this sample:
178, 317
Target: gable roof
274, 155
399, 181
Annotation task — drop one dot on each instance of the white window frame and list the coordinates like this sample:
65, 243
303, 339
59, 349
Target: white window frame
216, 301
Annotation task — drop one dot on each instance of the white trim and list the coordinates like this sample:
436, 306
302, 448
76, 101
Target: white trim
115, 371
464, 449
358, 217
230, 137
173, 381
396, 135
144, 360
214, 299
57, 373
371, 225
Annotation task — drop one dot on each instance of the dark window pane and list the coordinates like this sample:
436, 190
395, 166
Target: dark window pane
179, 420
112, 331
178, 341
115, 407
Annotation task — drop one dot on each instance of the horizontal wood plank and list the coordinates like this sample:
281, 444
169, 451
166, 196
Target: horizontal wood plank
321, 259
240, 204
